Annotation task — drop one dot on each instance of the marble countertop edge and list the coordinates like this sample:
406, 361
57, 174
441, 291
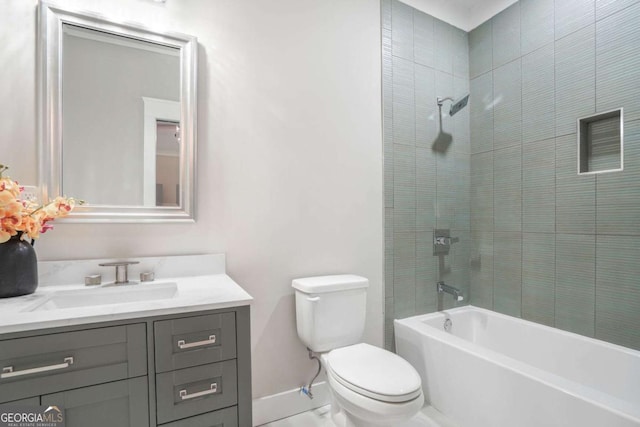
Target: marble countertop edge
198, 293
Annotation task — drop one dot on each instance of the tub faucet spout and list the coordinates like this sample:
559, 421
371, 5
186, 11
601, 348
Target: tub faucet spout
457, 293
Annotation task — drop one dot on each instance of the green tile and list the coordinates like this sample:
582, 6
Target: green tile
426, 119
481, 49
388, 324
507, 110
618, 61
388, 175
426, 274
424, 253
402, 29
453, 191
404, 258
481, 105
426, 189
443, 42
404, 176
461, 53
538, 187
482, 191
423, 42
404, 301
618, 290
537, 24
606, 8
575, 283
572, 15
385, 13
575, 74
388, 252
404, 123
538, 92
507, 271
506, 35
507, 187
538, 277
481, 269
388, 309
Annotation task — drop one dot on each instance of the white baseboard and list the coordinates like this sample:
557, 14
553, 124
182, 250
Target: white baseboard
288, 403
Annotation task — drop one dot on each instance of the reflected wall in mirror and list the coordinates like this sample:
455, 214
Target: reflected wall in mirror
117, 118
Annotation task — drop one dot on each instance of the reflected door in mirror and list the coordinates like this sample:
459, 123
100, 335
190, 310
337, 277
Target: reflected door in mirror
167, 163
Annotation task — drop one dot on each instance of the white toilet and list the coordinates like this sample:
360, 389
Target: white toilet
369, 386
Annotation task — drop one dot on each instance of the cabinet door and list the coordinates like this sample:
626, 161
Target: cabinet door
193, 341
192, 391
121, 403
227, 417
52, 363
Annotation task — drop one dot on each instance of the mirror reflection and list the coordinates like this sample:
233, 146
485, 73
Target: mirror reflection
121, 119
167, 163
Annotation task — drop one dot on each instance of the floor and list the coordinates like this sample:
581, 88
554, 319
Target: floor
321, 417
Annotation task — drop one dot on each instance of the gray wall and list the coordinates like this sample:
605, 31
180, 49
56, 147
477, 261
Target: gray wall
422, 58
551, 246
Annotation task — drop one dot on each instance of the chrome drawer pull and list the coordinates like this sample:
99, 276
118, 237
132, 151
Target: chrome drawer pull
182, 344
212, 390
8, 372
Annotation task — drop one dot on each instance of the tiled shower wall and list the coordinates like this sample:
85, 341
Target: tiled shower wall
425, 188
549, 245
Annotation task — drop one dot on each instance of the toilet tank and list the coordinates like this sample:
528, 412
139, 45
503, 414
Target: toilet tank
330, 310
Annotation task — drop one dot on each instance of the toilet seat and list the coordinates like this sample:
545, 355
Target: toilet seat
374, 372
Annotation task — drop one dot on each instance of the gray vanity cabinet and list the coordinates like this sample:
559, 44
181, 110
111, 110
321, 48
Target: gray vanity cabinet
121, 403
182, 370
66, 360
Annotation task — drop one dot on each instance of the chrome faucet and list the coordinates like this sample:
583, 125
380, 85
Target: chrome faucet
442, 288
122, 274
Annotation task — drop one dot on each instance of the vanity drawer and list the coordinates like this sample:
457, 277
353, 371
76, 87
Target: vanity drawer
193, 341
227, 417
193, 391
55, 362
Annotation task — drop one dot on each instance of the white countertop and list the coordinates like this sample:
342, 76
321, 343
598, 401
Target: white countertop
197, 293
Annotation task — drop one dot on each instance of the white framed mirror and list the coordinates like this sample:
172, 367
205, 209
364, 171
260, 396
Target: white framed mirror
117, 121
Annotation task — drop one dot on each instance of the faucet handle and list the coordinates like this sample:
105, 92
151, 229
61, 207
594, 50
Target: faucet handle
122, 274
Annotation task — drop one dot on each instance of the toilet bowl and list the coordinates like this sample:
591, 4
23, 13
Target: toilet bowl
369, 386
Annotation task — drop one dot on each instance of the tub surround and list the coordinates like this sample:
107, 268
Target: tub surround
201, 284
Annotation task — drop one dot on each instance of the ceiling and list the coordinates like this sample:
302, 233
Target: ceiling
464, 14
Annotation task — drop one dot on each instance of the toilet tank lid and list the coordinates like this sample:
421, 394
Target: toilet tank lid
320, 284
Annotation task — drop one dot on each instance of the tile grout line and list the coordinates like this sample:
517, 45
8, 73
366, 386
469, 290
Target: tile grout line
521, 170
595, 184
555, 165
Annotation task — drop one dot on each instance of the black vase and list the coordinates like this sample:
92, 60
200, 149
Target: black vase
18, 268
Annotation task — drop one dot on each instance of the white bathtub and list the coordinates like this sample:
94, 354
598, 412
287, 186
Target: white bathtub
493, 370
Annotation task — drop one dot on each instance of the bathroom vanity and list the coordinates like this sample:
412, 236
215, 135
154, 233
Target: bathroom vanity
182, 359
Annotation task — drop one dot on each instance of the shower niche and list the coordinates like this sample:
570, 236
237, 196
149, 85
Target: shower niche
600, 143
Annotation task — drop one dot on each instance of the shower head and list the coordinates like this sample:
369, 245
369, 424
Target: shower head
457, 106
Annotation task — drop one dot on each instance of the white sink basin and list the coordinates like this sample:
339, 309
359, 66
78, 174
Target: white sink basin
118, 294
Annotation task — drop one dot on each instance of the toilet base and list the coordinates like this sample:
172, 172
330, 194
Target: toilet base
341, 419
349, 409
